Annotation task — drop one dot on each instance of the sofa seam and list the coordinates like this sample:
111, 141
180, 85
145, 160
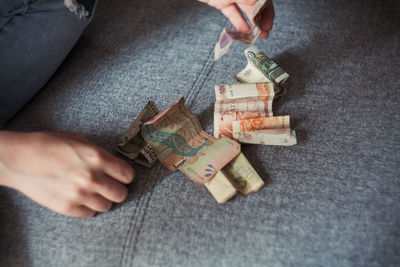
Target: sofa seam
134, 237
132, 225
141, 224
202, 78
126, 240
209, 69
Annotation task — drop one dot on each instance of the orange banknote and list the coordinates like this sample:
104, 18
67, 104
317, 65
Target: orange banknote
223, 122
262, 123
241, 101
264, 90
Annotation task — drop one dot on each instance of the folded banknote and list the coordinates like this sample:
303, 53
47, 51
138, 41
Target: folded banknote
261, 68
132, 144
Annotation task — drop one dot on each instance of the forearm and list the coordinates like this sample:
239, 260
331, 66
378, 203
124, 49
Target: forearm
6, 137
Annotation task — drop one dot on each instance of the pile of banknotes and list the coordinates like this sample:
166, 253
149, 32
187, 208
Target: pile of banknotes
243, 114
176, 138
244, 111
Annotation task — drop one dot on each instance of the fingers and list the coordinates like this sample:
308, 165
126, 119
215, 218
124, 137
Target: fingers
97, 203
103, 161
234, 15
267, 19
73, 209
116, 168
264, 35
89, 194
110, 189
80, 211
248, 11
231, 10
220, 4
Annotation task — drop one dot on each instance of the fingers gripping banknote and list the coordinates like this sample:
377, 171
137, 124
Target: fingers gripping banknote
227, 36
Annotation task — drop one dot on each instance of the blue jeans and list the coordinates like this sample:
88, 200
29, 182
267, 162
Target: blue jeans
35, 37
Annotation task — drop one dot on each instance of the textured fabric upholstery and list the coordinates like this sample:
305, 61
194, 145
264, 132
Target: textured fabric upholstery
331, 200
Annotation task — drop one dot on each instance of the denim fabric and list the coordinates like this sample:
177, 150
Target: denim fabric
35, 37
331, 200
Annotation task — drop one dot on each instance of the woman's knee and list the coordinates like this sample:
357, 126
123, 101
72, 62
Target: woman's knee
33, 44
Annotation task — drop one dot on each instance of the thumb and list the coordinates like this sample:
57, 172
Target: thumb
234, 15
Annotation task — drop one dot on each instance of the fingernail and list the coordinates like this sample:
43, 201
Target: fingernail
265, 35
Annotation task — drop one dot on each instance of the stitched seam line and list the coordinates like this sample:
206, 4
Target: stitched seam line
196, 81
134, 219
126, 241
201, 79
209, 67
141, 223
134, 237
15, 15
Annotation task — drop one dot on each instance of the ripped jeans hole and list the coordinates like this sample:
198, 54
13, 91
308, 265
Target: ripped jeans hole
75, 7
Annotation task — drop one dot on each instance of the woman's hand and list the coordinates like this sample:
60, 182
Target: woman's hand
63, 172
232, 10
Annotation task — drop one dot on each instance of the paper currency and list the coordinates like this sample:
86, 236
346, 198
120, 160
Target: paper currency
261, 68
212, 159
220, 187
180, 143
133, 145
227, 36
223, 122
243, 176
179, 140
265, 131
278, 137
240, 173
147, 157
277, 122
241, 101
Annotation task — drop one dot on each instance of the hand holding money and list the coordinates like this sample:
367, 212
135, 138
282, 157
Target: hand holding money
233, 9
260, 13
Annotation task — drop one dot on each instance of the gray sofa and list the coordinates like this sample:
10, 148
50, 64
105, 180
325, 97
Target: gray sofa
331, 200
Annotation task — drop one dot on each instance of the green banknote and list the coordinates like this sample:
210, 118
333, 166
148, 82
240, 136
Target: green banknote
261, 68
269, 68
